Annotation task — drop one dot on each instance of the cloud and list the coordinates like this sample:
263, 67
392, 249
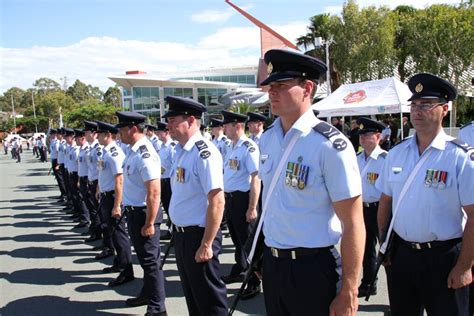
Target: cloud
212, 16
337, 9
92, 59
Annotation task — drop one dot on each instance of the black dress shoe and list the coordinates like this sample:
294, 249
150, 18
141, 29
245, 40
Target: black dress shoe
92, 238
121, 279
104, 254
111, 269
137, 301
228, 279
250, 292
363, 290
156, 313
82, 224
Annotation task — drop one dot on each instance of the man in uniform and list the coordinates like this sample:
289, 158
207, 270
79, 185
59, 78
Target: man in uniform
150, 133
111, 190
82, 170
54, 150
311, 185
255, 124
242, 189
141, 199
61, 161
426, 183
370, 162
95, 151
219, 139
167, 153
466, 133
196, 209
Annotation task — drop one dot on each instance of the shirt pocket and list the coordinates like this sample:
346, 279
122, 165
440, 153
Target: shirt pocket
396, 177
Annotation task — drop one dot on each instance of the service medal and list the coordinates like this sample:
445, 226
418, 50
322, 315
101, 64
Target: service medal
429, 177
436, 178
442, 181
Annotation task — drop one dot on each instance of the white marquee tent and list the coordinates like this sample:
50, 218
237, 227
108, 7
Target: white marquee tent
383, 96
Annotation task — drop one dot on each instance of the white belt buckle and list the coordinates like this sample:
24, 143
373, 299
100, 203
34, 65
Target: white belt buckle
274, 252
293, 254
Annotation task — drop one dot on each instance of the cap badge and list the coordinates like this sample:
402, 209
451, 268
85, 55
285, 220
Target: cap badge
419, 88
361, 126
269, 68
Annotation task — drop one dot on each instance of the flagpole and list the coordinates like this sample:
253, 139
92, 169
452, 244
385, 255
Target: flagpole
34, 111
14, 114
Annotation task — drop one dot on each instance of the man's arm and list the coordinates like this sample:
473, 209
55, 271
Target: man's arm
153, 188
350, 213
253, 197
118, 191
461, 274
214, 214
383, 213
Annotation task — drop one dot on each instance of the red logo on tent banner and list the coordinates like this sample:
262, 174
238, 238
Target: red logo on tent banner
355, 97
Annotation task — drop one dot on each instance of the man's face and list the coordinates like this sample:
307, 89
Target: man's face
125, 134
216, 130
89, 136
334, 121
178, 126
230, 130
149, 133
286, 97
79, 140
68, 139
368, 141
427, 114
162, 135
254, 127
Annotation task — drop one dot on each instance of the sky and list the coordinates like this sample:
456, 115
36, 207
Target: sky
90, 40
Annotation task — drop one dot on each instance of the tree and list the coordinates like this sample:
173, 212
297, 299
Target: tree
53, 104
113, 96
45, 85
19, 100
93, 111
81, 92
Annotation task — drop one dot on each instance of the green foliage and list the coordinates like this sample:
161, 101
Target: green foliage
80, 92
241, 107
45, 85
92, 110
113, 96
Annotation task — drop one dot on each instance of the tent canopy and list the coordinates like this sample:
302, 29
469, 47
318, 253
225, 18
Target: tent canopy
383, 96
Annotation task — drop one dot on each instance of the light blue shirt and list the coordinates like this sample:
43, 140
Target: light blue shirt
241, 161
429, 212
142, 164
53, 148
82, 160
305, 217
467, 133
72, 158
125, 148
167, 154
202, 173
155, 141
110, 165
61, 152
92, 159
375, 163
222, 143
256, 138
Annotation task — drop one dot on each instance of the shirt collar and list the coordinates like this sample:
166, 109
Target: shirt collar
376, 152
439, 142
241, 140
140, 142
190, 143
305, 122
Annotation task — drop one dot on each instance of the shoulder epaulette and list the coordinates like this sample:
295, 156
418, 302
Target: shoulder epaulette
332, 134
173, 144
143, 149
463, 145
202, 147
96, 145
249, 146
467, 124
383, 154
112, 149
269, 127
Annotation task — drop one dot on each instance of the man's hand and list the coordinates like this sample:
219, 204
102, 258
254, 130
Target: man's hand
116, 212
345, 303
459, 277
203, 254
148, 230
251, 214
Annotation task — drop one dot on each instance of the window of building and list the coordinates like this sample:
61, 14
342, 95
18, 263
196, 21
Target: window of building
146, 98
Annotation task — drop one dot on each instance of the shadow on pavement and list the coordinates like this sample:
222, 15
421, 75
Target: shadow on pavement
50, 276
37, 188
45, 253
55, 305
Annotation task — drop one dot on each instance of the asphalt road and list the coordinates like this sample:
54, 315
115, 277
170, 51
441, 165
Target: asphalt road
47, 269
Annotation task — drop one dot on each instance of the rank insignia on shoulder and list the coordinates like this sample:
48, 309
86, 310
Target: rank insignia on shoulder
112, 149
115, 154
339, 144
146, 155
200, 144
143, 149
99, 153
205, 154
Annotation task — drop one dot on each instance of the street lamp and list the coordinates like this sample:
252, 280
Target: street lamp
319, 42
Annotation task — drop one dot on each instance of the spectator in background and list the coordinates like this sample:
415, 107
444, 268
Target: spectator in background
336, 122
386, 133
406, 125
354, 135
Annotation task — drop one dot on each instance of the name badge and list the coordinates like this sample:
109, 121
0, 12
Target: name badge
263, 158
397, 170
